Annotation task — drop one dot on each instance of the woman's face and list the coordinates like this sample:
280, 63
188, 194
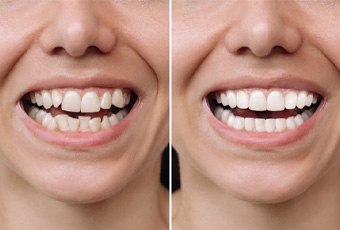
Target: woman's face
67, 71
256, 93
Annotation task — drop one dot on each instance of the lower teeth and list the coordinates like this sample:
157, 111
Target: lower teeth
259, 124
67, 123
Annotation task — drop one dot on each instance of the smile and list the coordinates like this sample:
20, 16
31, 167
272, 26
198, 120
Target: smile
264, 110
70, 110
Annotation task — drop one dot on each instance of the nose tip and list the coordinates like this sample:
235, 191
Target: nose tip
262, 32
78, 30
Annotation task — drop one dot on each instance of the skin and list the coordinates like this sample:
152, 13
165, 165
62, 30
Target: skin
111, 186
245, 187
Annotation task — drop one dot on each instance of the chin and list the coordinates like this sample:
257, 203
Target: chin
273, 186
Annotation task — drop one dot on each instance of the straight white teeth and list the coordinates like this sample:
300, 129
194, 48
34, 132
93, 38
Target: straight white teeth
265, 100
73, 101
259, 124
259, 100
66, 123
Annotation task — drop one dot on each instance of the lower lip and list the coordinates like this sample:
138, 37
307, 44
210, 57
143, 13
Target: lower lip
76, 140
262, 140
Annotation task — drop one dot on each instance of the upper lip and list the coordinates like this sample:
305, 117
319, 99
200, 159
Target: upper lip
82, 82
283, 81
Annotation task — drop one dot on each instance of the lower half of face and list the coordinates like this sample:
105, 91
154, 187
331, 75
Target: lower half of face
257, 154
82, 156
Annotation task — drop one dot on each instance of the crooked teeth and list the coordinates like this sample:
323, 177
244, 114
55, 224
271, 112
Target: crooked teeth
259, 124
266, 100
72, 101
66, 123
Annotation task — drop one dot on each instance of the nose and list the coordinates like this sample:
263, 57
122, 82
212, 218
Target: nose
262, 29
77, 27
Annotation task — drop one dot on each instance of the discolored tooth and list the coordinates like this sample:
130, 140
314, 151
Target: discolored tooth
127, 96
290, 123
257, 101
40, 116
105, 124
90, 103
38, 99
46, 120
73, 123
309, 99
281, 124
224, 99
298, 120
57, 98
33, 111
225, 115
94, 124
84, 123
275, 101
242, 99
231, 95
218, 112
46, 98
301, 99
52, 125
121, 114
71, 102
218, 97
106, 101
62, 122
118, 98
113, 119
32, 97
291, 100
239, 123
260, 125
249, 124
270, 125
231, 120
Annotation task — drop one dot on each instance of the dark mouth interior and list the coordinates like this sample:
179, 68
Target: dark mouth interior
26, 104
262, 114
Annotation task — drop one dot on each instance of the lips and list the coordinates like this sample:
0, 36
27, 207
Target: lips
80, 115
263, 117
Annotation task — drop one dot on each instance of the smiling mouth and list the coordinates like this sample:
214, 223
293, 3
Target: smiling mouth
79, 110
264, 110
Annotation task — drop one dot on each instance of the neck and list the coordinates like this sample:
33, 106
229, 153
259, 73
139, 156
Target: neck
317, 208
137, 206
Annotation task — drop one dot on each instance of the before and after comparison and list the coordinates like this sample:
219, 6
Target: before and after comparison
170, 115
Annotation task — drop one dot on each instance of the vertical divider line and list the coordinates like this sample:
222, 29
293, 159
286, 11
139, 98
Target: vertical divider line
170, 114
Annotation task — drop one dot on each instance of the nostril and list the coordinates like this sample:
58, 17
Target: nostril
90, 50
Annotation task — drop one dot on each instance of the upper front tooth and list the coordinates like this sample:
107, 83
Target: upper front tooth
275, 101
90, 103
290, 100
46, 98
71, 102
242, 99
118, 98
57, 98
232, 100
106, 101
257, 101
